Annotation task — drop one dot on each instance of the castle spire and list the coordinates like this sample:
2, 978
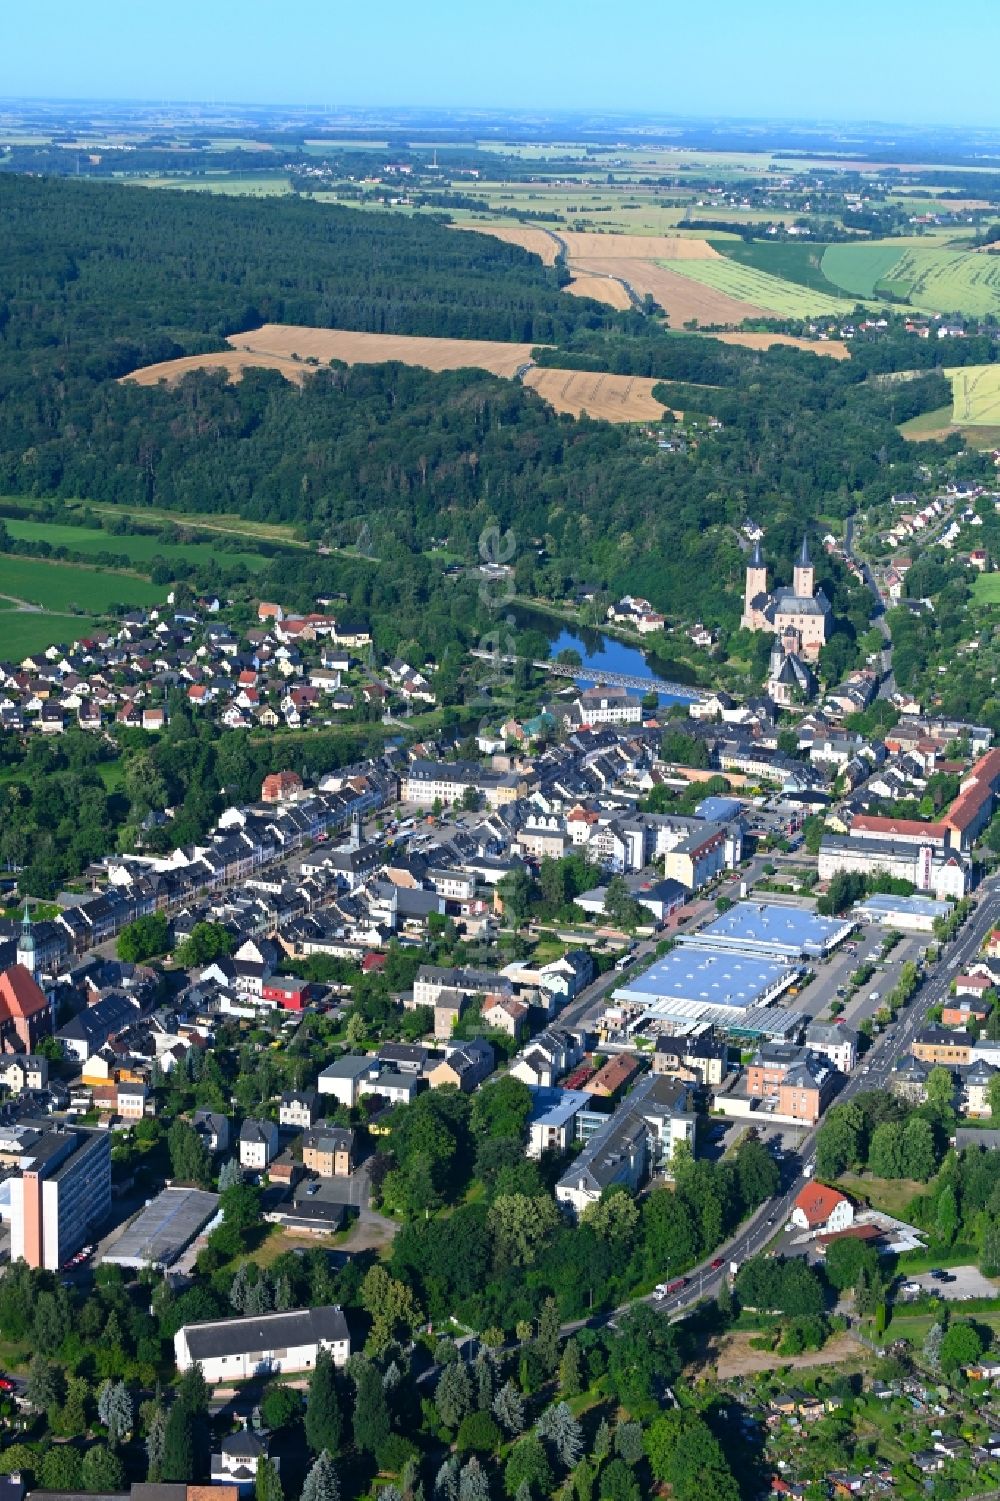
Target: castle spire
757, 556
804, 560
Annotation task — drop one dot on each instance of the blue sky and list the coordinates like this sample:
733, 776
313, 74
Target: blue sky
849, 60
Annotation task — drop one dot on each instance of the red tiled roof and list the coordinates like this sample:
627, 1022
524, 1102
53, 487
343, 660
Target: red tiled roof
868, 823
818, 1202
20, 997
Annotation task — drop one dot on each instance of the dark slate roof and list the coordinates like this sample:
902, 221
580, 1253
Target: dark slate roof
306, 1326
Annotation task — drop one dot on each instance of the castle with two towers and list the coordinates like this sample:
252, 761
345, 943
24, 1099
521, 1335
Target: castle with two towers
799, 617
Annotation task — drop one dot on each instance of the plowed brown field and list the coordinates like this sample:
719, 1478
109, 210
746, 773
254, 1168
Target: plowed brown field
581, 246
235, 362
616, 398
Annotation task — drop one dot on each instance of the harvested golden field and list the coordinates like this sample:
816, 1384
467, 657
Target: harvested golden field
680, 297
616, 398
282, 340
538, 241
601, 289
584, 247
836, 348
235, 362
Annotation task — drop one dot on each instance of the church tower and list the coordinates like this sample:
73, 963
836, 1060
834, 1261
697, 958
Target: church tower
756, 586
26, 944
804, 580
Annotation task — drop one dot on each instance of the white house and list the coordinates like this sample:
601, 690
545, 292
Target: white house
237, 1349
822, 1209
258, 1144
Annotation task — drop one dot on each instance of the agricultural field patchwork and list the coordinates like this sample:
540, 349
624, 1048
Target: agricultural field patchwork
748, 284
930, 278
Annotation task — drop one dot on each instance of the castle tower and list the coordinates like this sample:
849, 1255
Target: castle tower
804, 580
756, 586
26, 944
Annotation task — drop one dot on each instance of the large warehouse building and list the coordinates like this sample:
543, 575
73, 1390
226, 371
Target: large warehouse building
731, 972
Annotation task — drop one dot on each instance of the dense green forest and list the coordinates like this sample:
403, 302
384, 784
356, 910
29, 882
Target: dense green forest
99, 279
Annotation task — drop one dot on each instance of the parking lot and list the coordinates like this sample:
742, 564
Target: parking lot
969, 1283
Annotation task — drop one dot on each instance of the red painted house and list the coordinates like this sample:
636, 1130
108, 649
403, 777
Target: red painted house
287, 991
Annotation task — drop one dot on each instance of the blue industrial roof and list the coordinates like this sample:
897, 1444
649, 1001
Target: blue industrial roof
719, 809
709, 976
769, 928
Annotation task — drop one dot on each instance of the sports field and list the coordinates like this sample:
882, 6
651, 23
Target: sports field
975, 391
70, 587
749, 285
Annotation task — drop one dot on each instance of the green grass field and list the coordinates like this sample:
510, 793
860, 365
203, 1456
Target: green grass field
256, 185
975, 392
858, 269
928, 425
69, 587
140, 550
748, 284
986, 589
23, 632
798, 263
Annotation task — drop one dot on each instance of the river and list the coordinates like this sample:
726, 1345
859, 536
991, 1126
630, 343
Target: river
599, 652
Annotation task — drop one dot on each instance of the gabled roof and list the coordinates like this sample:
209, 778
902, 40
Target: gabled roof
817, 1202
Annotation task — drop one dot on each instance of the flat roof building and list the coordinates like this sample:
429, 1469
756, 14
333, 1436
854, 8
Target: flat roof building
164, 1229
773, 931
702, 976
62, 1194
915, 914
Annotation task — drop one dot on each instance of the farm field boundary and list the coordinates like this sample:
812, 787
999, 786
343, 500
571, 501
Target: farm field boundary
748, 285
616, 398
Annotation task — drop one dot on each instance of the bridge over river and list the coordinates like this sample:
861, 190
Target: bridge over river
647, 684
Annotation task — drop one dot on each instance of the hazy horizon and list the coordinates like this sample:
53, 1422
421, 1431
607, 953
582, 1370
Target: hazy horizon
768, 63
